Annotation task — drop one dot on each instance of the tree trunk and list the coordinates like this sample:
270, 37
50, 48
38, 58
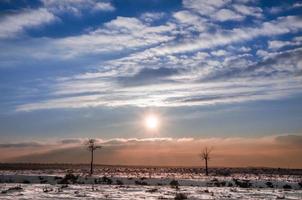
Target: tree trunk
91, 164
206, 160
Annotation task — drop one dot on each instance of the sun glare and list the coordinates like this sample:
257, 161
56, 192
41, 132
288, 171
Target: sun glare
151, 122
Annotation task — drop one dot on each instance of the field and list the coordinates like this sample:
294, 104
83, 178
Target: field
21, 181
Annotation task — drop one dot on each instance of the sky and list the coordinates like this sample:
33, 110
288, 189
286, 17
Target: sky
221, 73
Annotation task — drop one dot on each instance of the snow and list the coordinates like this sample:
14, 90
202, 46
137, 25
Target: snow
47, 191
123, 183
139, 180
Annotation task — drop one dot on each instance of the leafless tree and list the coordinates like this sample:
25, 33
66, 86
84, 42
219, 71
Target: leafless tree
205, 155
91, 146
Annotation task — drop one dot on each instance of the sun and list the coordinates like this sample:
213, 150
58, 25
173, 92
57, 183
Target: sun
151, 122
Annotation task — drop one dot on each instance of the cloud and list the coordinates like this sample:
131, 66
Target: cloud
21, 145
227, 15
151, 17
297, 5
223, 10
285, 7
121, 34
72, 141
281, 25
248, 10
273, 151
292, 140
204, 7
16, 23
77, 7
188, 20
182, 58
148, 76
219, 52
217, 82
104, 6
272, 66
278, 44
68, 102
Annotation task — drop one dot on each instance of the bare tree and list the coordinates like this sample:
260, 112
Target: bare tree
205, 155
91, 146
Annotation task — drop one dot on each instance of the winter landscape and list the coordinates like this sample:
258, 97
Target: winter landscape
151, 99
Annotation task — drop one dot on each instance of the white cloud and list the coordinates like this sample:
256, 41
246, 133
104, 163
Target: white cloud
297, 5
120, 34
104, 6
205, 7
206, 40
167, 95
262, 53
186, 18
13, 24
125, 23
218, 10
227, 15
278, 44
248, 10
220, 52
77, 7
150, 17
203, 63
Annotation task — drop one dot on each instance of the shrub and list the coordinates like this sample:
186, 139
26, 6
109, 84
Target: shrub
242, 183
68, 179
119, 182
58, 178
174, 183
223, 172
141, 183
26, 181
281, 197
43, 181
230, 184
106, 180
152, 190
216, 183
64, 186
286, 186
46, 189
269, 184
12, 189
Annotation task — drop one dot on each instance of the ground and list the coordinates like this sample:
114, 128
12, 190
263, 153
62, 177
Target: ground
149, 183
47, 191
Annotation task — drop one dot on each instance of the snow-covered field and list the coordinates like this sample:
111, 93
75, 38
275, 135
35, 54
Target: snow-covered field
46, 191
148, 183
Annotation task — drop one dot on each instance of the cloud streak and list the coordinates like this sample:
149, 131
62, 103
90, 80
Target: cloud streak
77, 7
16, 23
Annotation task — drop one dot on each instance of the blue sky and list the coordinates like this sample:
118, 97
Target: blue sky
221, 68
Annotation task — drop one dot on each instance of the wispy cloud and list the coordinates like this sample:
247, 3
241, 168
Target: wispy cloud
227, 15
77, 7
222, 37
15, 23
278, 44
205, 52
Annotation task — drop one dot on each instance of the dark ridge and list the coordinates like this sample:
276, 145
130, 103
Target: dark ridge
146, 169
